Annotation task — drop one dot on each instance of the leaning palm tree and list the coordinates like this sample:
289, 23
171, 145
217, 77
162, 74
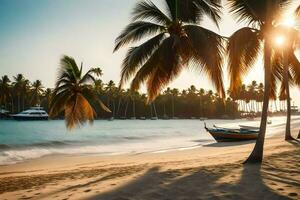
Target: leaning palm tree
73, 94
244, 47
176, 42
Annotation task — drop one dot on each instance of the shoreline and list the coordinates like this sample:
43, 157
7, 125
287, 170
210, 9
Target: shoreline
133, 144
50, 174
212, 143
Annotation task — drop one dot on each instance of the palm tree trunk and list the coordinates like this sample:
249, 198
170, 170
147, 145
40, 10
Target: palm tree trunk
257, 154
12, 104
126, 107
19, 103
114, 108
173, 108
133, 107
23, 102
154, 108
118, 109
151, 109
288, 135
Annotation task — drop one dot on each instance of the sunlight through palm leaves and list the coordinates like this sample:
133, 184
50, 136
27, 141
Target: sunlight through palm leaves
244, 47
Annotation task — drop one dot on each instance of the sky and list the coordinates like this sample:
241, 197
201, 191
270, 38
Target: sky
34, 34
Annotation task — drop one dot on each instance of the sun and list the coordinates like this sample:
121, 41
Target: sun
279, 40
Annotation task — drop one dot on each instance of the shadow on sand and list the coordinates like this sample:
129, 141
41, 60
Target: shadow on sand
277, 178
227, 144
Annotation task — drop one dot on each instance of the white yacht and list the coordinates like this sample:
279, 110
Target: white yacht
33, 113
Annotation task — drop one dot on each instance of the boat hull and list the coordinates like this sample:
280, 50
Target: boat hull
231, 137
33, 118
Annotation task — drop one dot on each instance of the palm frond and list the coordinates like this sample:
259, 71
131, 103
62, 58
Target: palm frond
294, 66
78, 111
243, 48
135, 31
207, 51
297, 12
90, 96
168, 67
146, 10
192, 11
212, 8
136, 56
88, 77
256, 11
68, 70
57, 102
146, 70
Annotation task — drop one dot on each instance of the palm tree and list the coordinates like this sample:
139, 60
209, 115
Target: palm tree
4, 90
174, 95
36, 92
121, 95
18, 84
244, 47
73, 94
98, 86
176, 41
260, 93
46, 98
111, 90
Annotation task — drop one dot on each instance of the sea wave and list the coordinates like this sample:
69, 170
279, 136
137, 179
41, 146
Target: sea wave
15, 155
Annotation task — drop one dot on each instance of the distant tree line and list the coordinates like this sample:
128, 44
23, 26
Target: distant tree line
250, 98
19, 93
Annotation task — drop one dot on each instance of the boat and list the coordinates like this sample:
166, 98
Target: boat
226, 129
33, 113
249, 127
4, 114
231, 135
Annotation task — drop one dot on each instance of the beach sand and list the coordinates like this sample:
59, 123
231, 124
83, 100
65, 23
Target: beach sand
213, 171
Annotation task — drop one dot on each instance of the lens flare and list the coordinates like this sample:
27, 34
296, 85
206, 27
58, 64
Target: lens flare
279, 40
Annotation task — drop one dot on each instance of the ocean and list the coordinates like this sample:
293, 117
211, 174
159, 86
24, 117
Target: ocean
23, 140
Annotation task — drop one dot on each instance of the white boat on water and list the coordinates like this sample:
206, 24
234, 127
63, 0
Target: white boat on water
33, 113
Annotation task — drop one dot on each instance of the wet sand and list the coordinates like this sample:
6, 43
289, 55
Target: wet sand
210, 172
